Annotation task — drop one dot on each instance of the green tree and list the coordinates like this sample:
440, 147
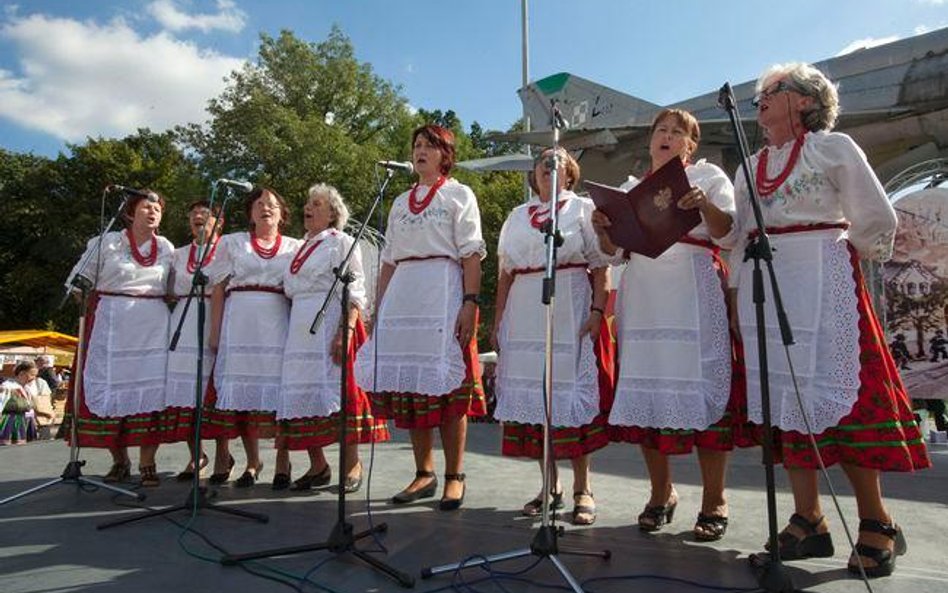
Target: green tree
50, 208
304, 113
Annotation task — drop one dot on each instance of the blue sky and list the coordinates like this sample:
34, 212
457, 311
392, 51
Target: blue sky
72, 69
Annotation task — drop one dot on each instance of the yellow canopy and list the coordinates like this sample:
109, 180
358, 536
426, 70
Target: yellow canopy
41, 342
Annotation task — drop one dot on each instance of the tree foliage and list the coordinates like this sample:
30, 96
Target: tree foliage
300, 113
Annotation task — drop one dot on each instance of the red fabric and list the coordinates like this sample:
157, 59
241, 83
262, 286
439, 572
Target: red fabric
230, 424
113, 432
570, 442
414, 410
880, 432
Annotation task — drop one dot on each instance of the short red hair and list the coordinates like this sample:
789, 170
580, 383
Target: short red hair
442, 139
134, 200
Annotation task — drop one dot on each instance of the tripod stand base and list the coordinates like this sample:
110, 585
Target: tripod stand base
544, 545
192, 503
771, 574
341, 539
73, 474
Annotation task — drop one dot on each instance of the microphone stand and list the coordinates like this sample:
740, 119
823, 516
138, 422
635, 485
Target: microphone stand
73, 470
544, 544
342, 538
769, 570
197, 498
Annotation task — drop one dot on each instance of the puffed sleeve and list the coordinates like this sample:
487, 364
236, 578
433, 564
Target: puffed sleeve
467, 226
594, 257
224, 262
864, 203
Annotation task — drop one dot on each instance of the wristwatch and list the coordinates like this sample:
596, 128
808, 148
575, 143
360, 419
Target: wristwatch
474, 298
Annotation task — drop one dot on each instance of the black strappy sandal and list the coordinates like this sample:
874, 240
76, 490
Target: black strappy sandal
654, 517
453, 504
884, 559
811, 545
710, 528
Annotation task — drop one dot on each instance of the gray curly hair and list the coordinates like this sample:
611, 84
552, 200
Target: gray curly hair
336, 204
809, 82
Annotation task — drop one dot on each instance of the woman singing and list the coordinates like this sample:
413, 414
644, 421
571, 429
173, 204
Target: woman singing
309, 408
428, 375
182, 361
824, 209
122, 384
582, 386
249, 333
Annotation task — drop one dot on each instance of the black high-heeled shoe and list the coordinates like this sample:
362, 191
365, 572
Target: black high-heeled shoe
220, 478
428, 491
248, 478
281, 480
187, 475
310, 481
654, 517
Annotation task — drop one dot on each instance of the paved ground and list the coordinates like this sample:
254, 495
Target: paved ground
49, 541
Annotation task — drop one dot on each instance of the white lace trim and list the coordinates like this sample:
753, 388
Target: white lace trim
417, 350
576, 399
310, 379
250, 354
678, 402
127, 357
825, 356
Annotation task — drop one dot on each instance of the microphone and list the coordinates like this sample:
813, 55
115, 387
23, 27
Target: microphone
128, 190
243, 185
396, 166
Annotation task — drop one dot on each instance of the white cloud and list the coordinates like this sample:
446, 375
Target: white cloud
866, 43
228, 17
79, 79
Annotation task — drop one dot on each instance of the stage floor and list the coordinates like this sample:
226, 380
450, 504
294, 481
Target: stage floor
49, 541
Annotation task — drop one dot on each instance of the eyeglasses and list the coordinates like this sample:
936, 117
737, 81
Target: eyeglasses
777, 87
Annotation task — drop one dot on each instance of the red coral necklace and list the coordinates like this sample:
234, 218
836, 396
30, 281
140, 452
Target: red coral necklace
143, 260
266, 252
417, 207
192, 255
767, 185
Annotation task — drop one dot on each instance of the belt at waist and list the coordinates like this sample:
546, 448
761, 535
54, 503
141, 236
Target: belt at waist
689, 240
800, 228
423, 258
518, 271
129, 296
256, 288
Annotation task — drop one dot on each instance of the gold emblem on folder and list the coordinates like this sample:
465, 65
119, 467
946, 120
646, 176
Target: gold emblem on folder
663, 198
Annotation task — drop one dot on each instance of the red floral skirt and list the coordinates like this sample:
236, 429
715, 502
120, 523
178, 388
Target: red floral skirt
570, 442
880, 432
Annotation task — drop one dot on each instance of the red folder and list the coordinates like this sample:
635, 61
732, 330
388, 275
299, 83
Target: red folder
647, 219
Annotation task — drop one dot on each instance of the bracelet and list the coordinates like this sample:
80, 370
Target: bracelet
473, 298
599, 310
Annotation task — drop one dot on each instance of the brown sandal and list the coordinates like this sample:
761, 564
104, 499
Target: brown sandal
149, 476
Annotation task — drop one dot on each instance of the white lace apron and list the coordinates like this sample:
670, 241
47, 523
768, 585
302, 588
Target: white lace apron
128, 353
417, 349
819, 293
520, 363
310, 385
250, 354
182, 361
673, 343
